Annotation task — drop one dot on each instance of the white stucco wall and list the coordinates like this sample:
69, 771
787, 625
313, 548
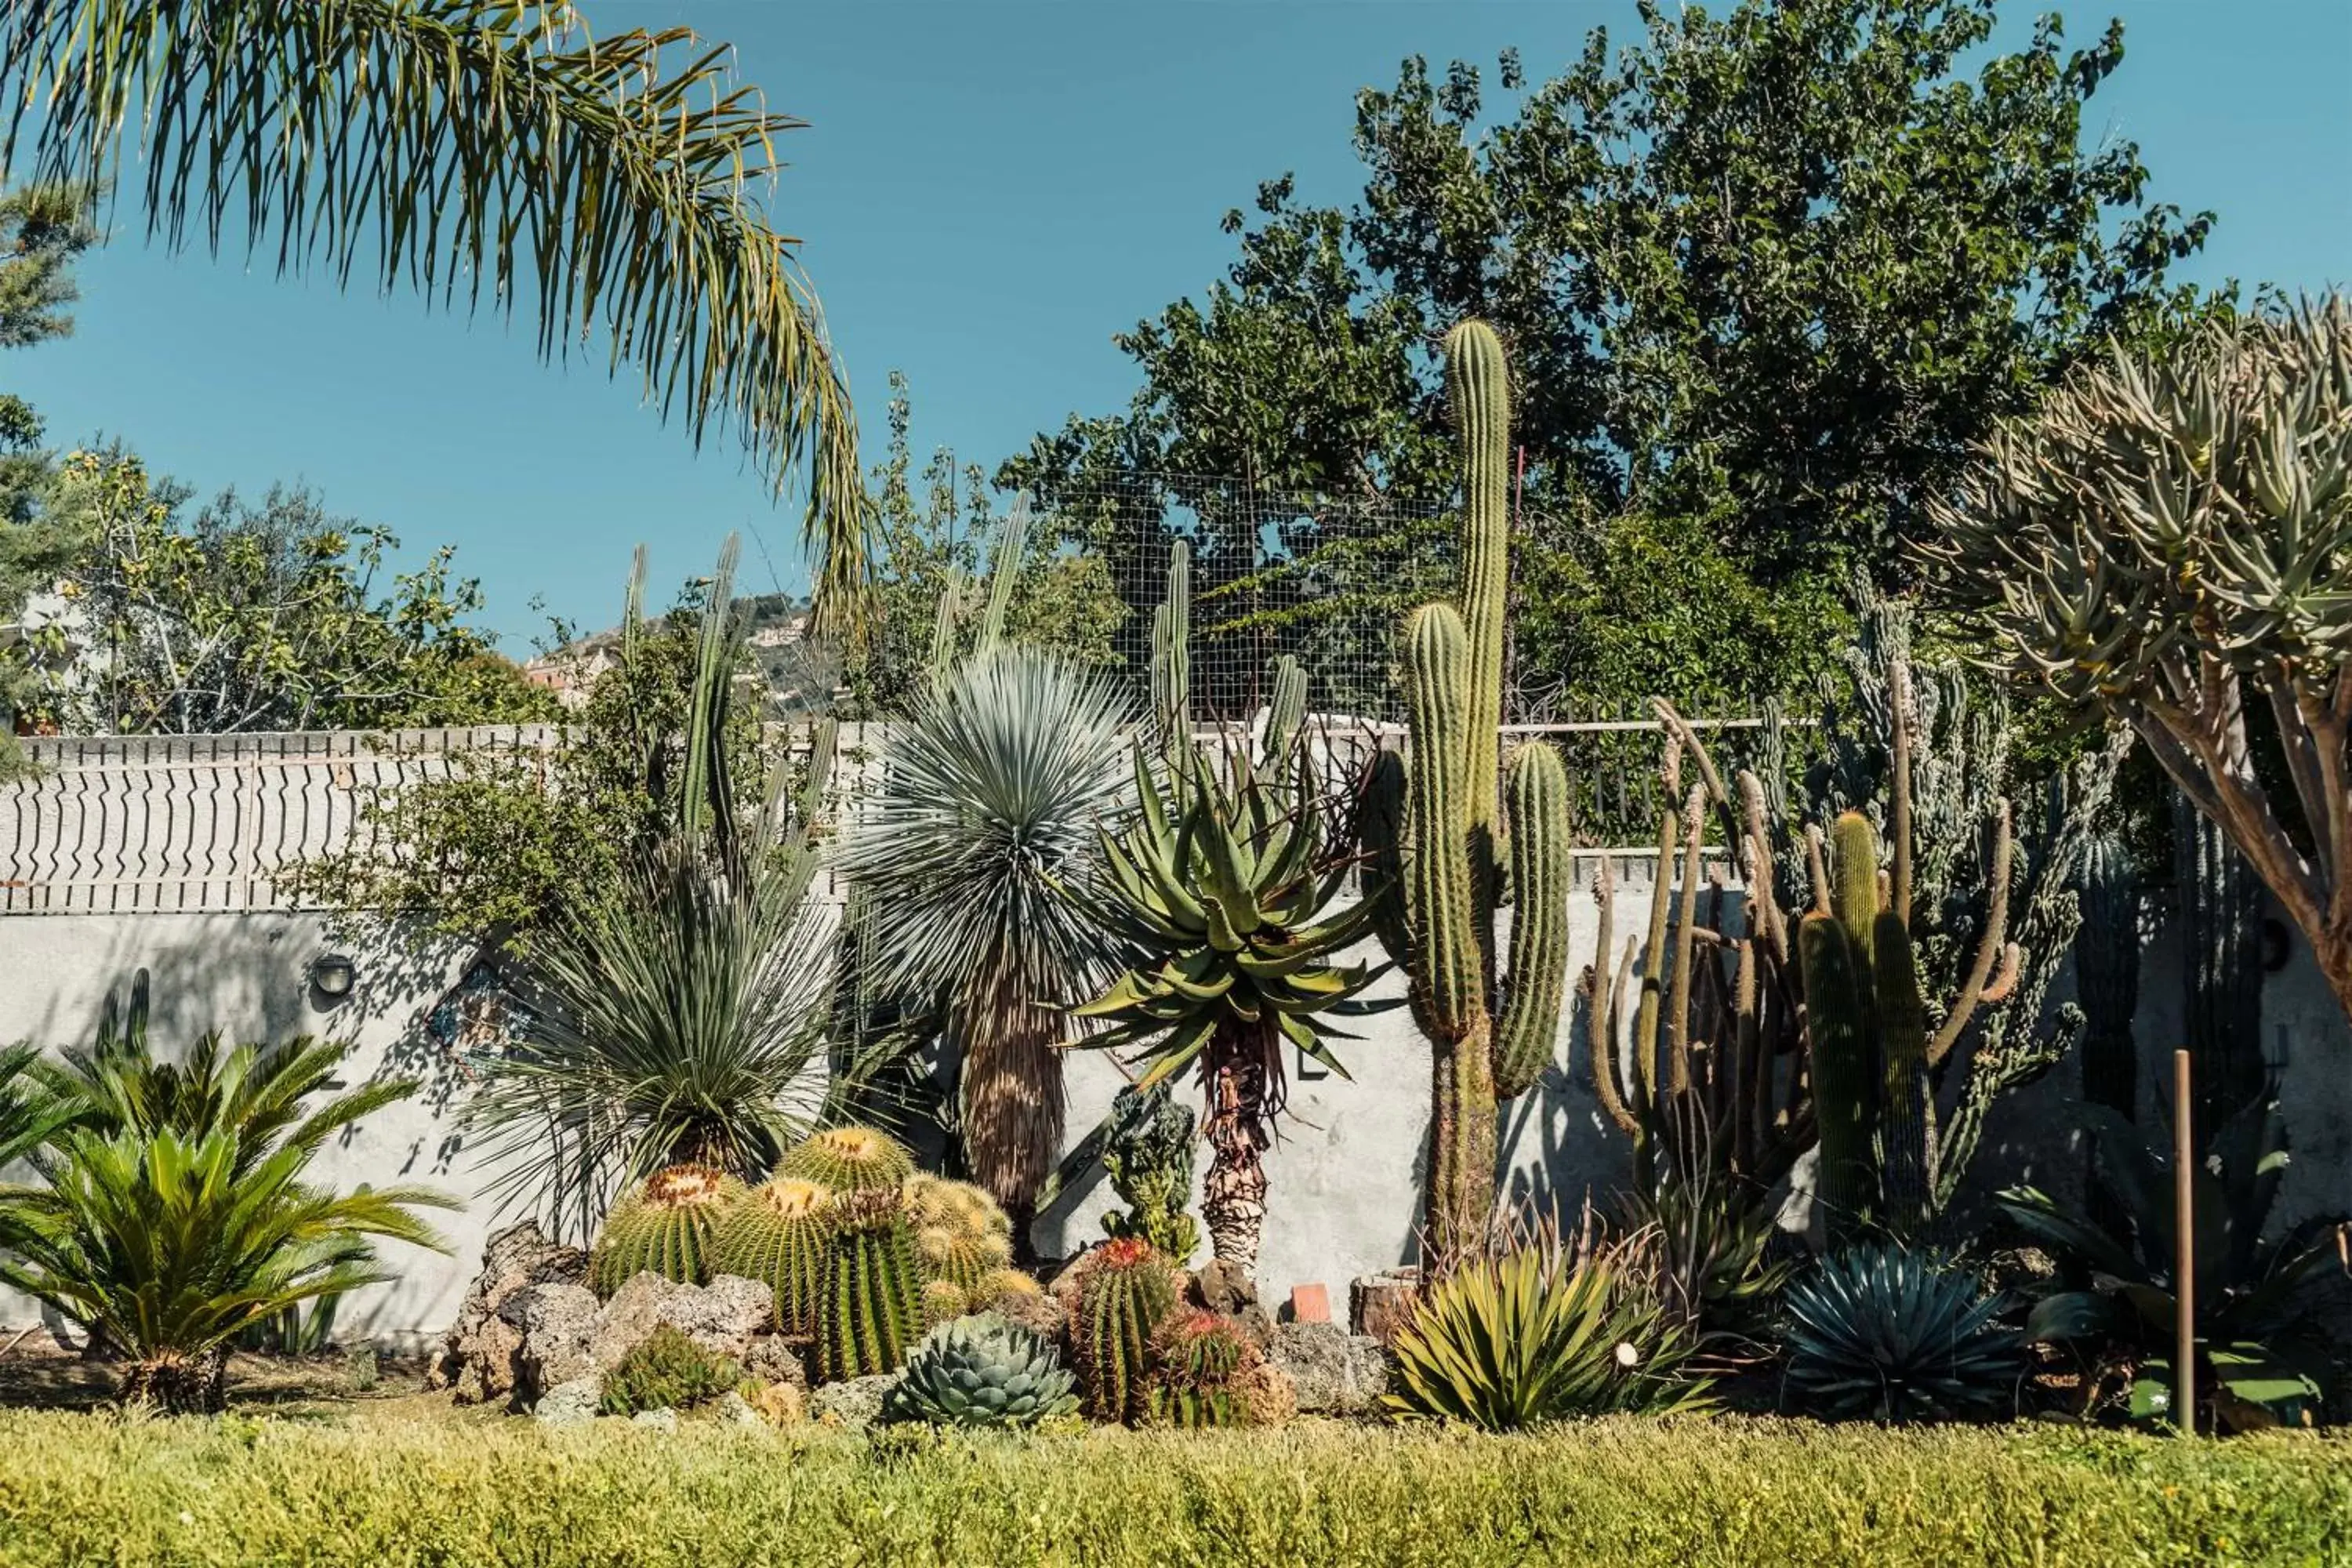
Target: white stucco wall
1343, 1177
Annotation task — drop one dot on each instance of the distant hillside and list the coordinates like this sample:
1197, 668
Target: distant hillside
799, 677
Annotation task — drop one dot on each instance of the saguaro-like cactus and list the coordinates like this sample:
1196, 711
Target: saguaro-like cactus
1490, 1033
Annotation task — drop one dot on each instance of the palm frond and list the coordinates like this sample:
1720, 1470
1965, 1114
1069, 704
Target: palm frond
466, 148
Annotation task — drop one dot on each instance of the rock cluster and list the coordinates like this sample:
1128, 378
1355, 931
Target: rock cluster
531, 1326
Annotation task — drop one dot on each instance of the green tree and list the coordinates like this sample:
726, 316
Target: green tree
937, 537
247, 617
471, 149
1768, 273
41, 233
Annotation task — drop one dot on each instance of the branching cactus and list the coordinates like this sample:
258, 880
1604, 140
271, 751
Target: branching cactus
870, 1301
1128, 1290
1490, 1032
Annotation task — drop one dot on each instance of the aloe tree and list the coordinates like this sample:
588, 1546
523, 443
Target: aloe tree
168, 1245
1223, 888
994, 788
469, 149
2170, 539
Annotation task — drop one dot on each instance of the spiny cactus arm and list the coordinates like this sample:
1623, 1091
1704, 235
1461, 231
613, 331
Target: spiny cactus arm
1680, 733
1817, 869
1003, 573
1478, 391
1678, 1076
1747, 1061
1447, 950
1908, 1172
1646, 1016
1903, 714
1855, 892
1977, 989
1171, 628
1541, 876
1765, 920
1285, 712
944, 621
1842, 1092
1601, 992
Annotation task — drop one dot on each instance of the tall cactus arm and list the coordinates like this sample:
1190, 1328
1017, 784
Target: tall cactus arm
1654, 970
1678, 1003
1172, 626
1854, 890
1983, 985
1381, 833
1902, 716
1004, 575
1907, 1160
1818, 869
1478, 388
1438, 885
1765, 921
1541, 875
1607, 1026
1843, 1090
1285, 713
1600, 998
1682, 735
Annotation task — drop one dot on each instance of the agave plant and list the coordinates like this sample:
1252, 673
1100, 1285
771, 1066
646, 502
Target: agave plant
1220, 887
168, 1245
994, 792
678, 1013
1881, 1332
981, 1372
2258, 1354
1536, 1333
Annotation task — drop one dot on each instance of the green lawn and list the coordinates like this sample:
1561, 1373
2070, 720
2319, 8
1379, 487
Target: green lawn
408, 1481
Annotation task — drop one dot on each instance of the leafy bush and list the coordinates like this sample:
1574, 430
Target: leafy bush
2261, 1359
1887, 1334
382, 1488
666, 1372
1535, 1335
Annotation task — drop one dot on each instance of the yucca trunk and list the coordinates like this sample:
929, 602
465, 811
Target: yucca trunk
1011, 1095
1232, 1194
179, 1385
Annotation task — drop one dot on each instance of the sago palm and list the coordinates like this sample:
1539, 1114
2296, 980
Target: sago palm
996, 787
1222, 890
169, 1246
468, 147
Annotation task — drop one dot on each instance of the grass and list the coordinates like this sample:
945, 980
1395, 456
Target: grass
405, 1480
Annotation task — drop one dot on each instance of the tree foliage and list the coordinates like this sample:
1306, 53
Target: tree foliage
1768, 273
244, 617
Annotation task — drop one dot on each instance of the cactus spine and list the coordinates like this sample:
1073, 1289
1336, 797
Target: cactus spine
776, 1234
870, 1302
1127, 1292
668, 1227
1453, 875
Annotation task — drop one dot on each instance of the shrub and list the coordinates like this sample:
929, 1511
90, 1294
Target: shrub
1537, 1334
666, 1372
1887, 1334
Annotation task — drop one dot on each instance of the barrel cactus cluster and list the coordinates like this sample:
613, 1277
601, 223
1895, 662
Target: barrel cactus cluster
849, 1159
668, 1227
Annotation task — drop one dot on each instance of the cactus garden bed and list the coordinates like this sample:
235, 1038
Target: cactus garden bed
411, 1481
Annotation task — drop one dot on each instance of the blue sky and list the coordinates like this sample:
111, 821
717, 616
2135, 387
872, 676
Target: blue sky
988, 191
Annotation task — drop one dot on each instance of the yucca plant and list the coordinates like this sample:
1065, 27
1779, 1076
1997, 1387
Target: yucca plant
1881, 1332
1220, 886
994, 789
463, 147
169, 1246
1536, 1333
677, 1015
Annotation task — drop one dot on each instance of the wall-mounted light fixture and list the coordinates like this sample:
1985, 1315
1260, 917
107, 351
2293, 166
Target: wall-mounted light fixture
332, 974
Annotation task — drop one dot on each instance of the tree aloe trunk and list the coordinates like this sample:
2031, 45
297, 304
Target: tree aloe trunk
1232, 1194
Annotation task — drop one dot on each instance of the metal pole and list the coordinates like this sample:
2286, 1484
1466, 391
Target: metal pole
2184, 1261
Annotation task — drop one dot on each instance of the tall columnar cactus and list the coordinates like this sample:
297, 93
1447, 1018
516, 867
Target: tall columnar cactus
1491, 1035
1171, 701
2221, 968
869, 1301
668, 1227
848, 1160
776, 1234
1127, 1291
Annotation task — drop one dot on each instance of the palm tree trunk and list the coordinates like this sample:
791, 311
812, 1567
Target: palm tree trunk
1232, 1194
1011, 1088
180, 1384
